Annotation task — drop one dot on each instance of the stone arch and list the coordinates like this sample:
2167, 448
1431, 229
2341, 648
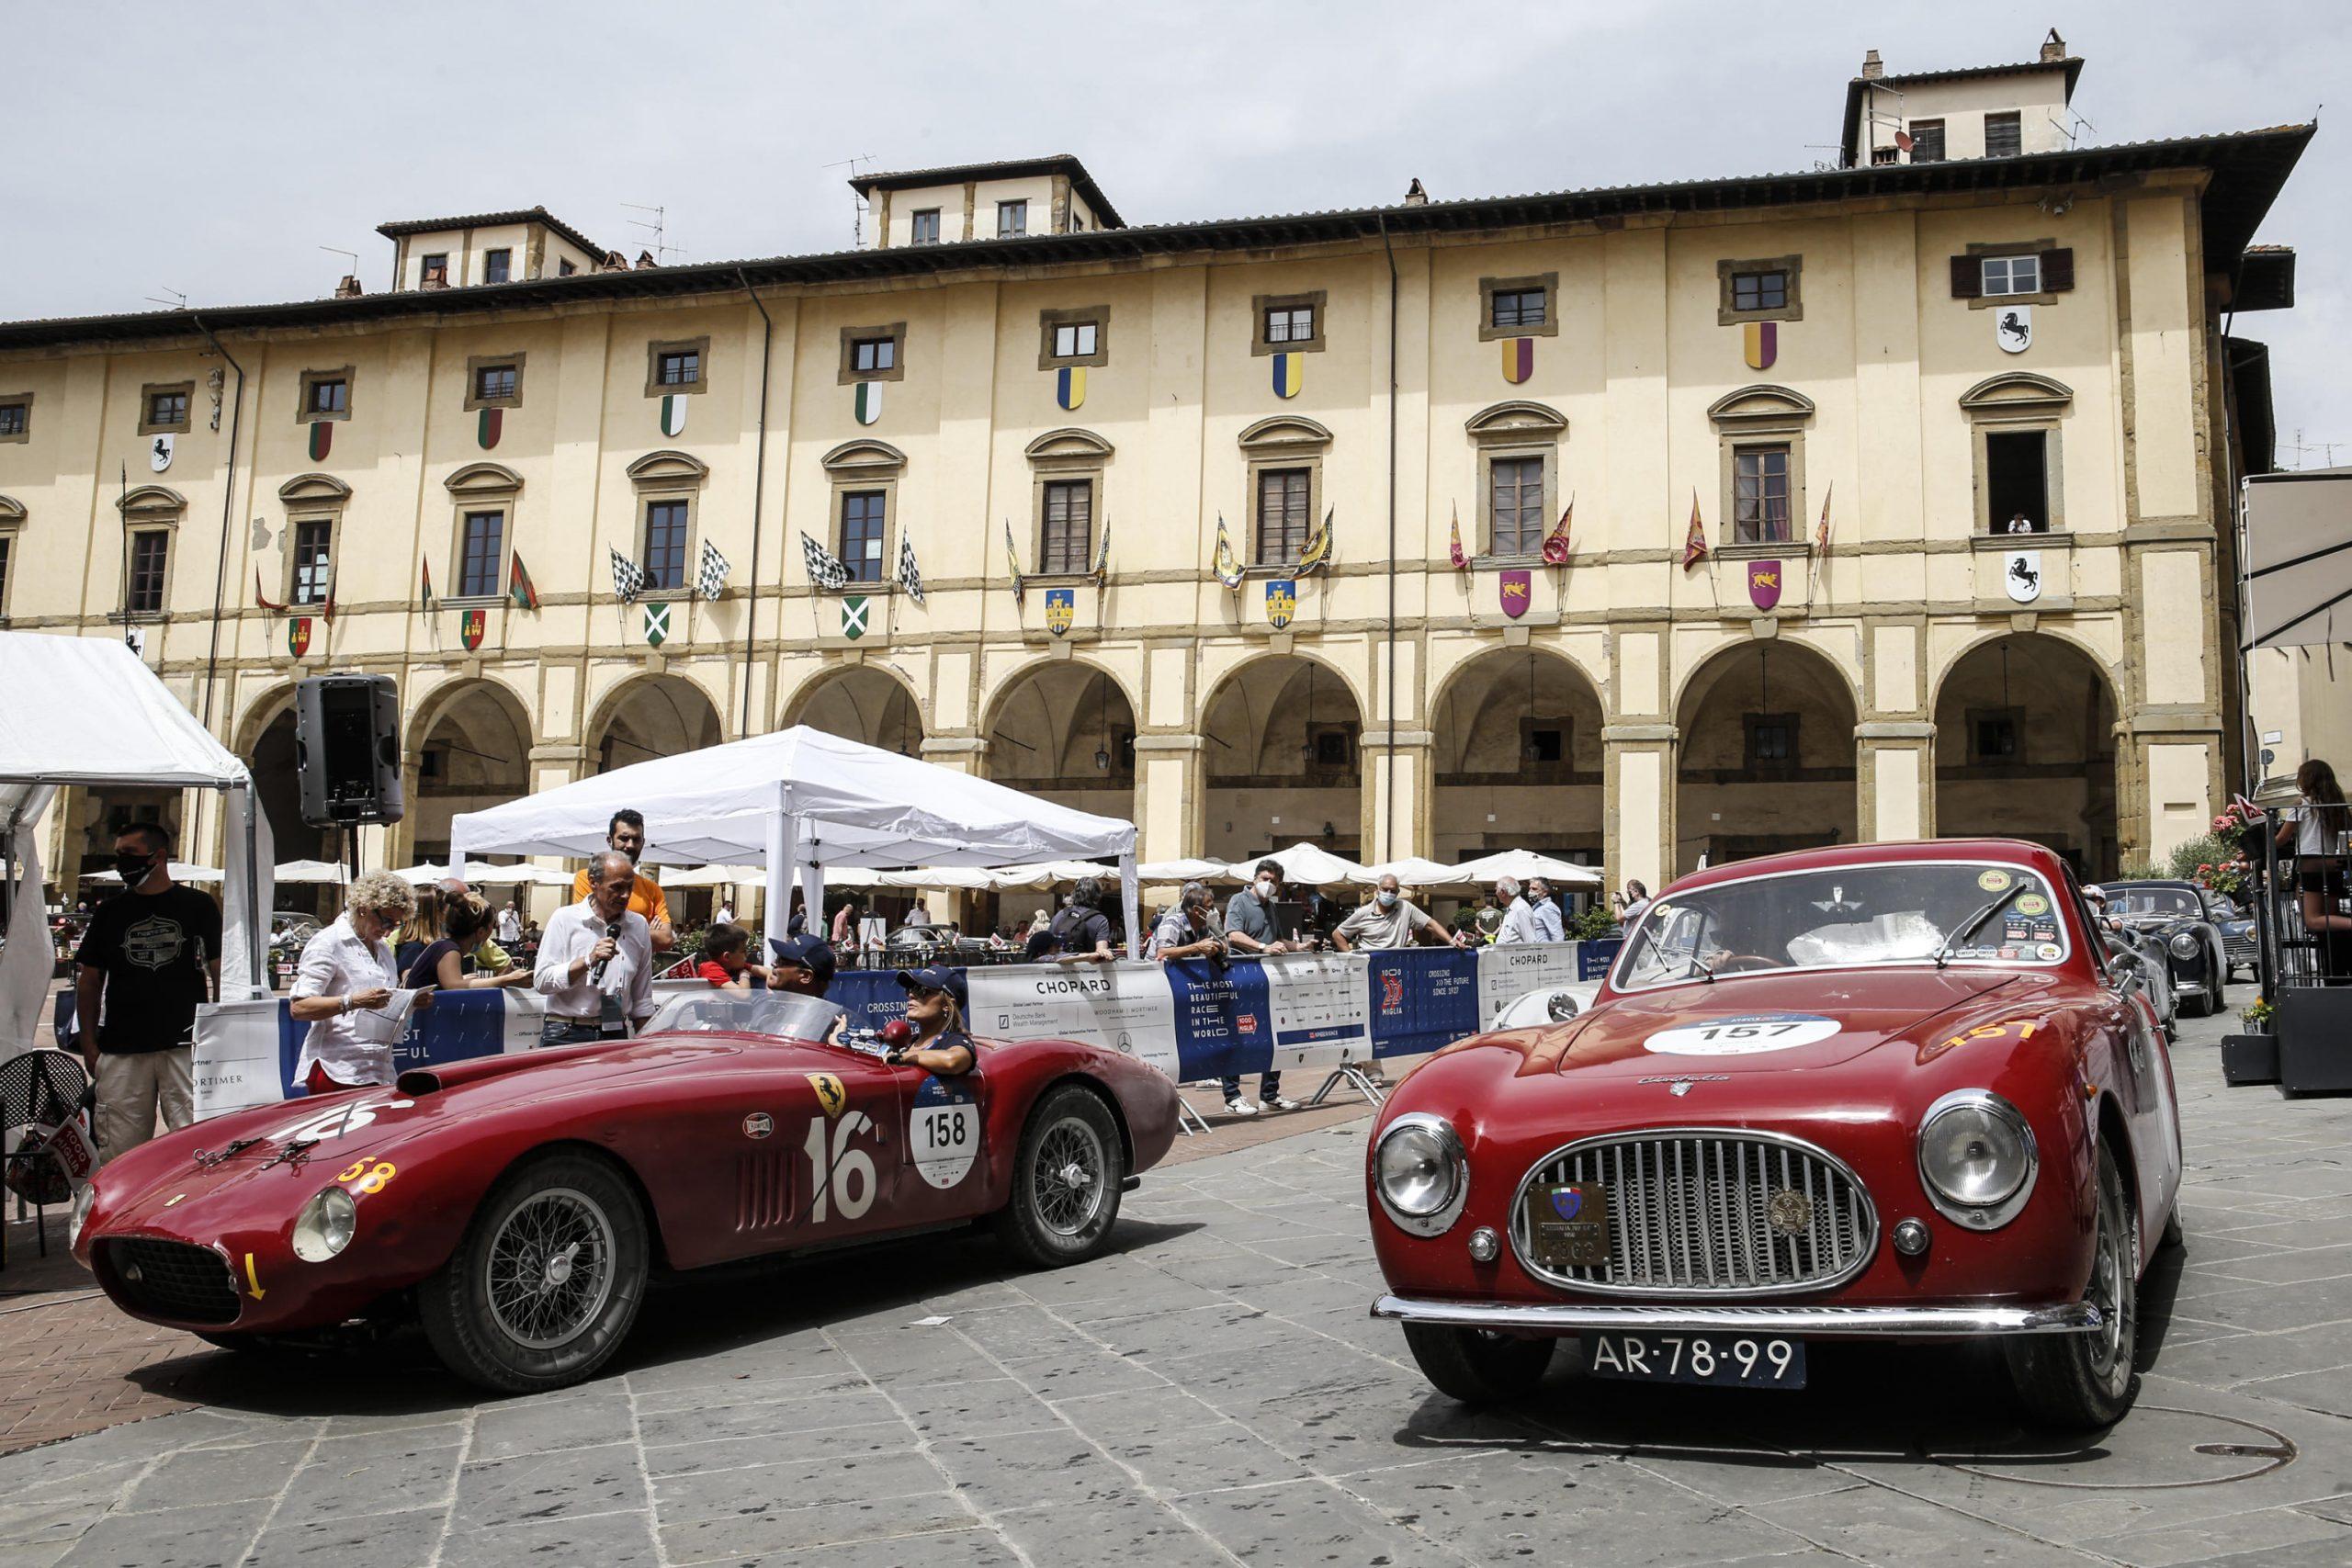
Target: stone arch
314, 489
1285, 431
151, 503
1064, 729
12, 511
1517, 758
650, 715
477, 481
668, 467
1282, 758
1068, 443
1517, 419
467, 748
864, 453
2018, 392
2025, 748
1765, 757
1762, 403
870, 702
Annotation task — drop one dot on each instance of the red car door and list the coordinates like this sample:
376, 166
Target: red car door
848, 1139
944, 1170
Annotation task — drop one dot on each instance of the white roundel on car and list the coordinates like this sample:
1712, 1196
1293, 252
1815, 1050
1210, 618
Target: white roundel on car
945, 1132
1747, 1035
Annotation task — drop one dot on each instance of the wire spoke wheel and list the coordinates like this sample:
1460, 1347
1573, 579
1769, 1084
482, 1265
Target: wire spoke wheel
2109, 1268
549, 1267
1070, 1177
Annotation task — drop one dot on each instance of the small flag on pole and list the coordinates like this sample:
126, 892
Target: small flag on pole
424, 598
910, 575
1317, 554
1460, 561
1556, 545
710, 579
1012, 562
1102, 569
825, 568
1224, 566
273, 607
518, 581
1821, 535
1694, 540
628, 579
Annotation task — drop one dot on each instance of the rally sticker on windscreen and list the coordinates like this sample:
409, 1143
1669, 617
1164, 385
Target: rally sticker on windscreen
945, 1132
1745, 1035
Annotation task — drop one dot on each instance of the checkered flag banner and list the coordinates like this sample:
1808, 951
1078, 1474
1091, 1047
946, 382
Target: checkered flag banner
910, 574
628, 578
710, 581
825, 568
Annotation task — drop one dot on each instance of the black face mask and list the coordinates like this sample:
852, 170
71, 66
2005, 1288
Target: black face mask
133, 868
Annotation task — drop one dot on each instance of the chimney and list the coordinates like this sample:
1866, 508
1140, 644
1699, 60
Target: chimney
1415, 196
1873, 66
2053, 47
645, 259
614, 262
348, 289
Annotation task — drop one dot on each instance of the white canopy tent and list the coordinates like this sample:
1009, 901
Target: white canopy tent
1418, 870
483, 873
310, 872
1156, 871
86, 711
1304, 865
2299, 558
802, 800
1521, 864
179, 871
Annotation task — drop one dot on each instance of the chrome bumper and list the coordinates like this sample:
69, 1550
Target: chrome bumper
1963, 1322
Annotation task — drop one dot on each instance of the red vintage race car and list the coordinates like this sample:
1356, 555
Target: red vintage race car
1879, 1090
516, 1204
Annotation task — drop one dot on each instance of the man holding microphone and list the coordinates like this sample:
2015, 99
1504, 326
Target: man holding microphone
596, 965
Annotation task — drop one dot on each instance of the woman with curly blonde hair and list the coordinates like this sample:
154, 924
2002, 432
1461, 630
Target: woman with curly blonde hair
346, 970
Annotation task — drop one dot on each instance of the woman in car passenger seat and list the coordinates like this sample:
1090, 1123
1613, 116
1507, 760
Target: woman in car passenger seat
935, 1000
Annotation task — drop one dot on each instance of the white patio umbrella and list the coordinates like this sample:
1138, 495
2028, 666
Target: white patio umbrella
1521, 864
483, 873
1418, 871
312, 871
1189, 870
1304, 865
181, 872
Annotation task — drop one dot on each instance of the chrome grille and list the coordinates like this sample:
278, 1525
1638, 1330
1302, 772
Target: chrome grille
1689, 1212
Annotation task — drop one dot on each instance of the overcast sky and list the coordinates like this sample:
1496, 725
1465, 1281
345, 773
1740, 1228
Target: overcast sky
211, 150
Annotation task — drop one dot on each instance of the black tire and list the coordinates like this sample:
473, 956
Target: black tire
2203, 1007
1065, 1180
2175, 1238
1476, 1367
505, 1333
2077, 1381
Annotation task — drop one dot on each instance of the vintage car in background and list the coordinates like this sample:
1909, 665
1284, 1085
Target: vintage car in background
1546, 1004
2241, 947
2182, 918
517, 1203
1870, 1093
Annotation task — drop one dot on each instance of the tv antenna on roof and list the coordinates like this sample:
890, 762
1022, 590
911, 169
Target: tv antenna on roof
659, 226
857, 197
339, 251
179, 301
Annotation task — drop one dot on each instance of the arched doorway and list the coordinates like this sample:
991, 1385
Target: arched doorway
1065, 732
1518, 759
653, 716
1283, 761
863, 704
469, 751
1767, 756
2025, 749
268, 748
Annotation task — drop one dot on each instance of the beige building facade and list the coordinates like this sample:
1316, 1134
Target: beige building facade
1768, 352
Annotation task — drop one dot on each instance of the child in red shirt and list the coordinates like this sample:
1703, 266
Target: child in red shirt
726, 960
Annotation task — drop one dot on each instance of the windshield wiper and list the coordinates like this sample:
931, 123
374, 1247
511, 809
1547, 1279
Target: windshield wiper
1706, 971
1973, 923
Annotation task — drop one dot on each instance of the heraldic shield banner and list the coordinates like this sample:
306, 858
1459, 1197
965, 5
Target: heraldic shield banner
1763, 584
1281, 602
1061, 609
1517, 592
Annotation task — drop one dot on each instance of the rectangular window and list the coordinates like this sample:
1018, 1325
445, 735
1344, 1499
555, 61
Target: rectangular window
329, 394
678, 367
168, 411
15, 420
149, 552
2012, 275
2004, 135
1927, 141
1544, 745
495, 381
1520, 308
864, 515
869, 356
1074, 340
1993, 737
6, 541
1761, 495
564, 268
436, 270
1284, 501
481, 554
1518, 506
1290, 323
926, 226
1068, 545
665, 544
2017, 494
497, 266
1771, 739
1759, 290
312, 574
1012, 220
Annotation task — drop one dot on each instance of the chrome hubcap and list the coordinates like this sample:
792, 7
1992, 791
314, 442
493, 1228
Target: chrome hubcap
1070, 1163
551, 1269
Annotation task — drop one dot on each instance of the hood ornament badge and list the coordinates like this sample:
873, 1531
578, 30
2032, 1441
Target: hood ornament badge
1679, 1083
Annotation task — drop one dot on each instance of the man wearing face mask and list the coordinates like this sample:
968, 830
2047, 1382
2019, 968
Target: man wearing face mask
1549, 926
152, 953
1519, 917
1188, 931
1249, 928
1390, 921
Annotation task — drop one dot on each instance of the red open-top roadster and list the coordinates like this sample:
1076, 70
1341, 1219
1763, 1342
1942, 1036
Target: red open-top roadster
516, 1204
1883, 1089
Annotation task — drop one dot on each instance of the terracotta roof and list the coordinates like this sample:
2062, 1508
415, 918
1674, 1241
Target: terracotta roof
1002, 169
2248, 169
2071, 64
401, 225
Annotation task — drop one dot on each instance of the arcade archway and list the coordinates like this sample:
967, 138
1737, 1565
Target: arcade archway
1518, 759
1766, 761
863, 703
1066, 731
471, 751
2025, 749
653, 716
1282, 761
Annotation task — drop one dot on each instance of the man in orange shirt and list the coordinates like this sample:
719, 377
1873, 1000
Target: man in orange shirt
626, 833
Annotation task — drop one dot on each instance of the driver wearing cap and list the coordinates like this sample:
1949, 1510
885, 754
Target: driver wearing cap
936, 1000
803, 963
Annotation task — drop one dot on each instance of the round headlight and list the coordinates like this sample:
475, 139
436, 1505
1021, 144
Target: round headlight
325, 1225
1976, 1157
82, 1202
2184, 944
1561, 1006
1420, 1173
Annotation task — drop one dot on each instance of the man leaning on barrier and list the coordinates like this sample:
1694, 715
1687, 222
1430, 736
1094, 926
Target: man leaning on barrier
1189, 931
1390, 921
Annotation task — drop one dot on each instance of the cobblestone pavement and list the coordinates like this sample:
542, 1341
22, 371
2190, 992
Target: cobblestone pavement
1213, 1392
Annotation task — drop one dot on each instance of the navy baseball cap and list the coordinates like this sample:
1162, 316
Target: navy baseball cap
937, 978
810, 953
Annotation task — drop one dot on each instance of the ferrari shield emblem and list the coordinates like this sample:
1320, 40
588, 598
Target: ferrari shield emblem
1516, 591
298, 635
1061, 609
471, 626
2021, 575
854, 611
2013, 327
1519, 359
159, 452
829, 1093
1281, 602
1763, 584
657, 623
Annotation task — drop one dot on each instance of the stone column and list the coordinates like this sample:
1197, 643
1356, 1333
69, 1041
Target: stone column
1894, 779
1169, 796
1637, 803
1402, 780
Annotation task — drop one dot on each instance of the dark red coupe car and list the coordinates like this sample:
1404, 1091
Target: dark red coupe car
1876, 1091
517, 1203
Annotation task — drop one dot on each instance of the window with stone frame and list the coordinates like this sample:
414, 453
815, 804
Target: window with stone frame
869, 356
1519, 523
166, 410
2012, 275
150, 554
493, 381
1074, 340
498, 266
1512, 308
667, 524
678, 367
1285, 514
1012, 220
326, 396
16, 418
1761, 511
481, 554
1289, 323
923, 226
313, 560
1065, 538
1766, 290
865, 516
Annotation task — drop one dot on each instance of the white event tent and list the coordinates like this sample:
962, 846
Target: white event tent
1521, 864
313, 873
802, 801
1304, 865
87, 711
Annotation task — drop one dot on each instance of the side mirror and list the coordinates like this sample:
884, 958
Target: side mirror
2124, 976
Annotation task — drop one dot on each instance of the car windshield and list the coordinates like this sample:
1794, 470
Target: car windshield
786, 1013
1845, 915
2144, 901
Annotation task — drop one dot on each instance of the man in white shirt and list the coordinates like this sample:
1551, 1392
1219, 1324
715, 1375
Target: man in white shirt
1519, 920
596, 963
510, 924
1549, 926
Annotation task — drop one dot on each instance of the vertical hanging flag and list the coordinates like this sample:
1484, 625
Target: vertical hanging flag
628, 579
1519, 359
1761, 343
1453, 546
266, 602
1101, 570
1069, 386
1555, 543
1695, 539
1225, 565
910, 575
1287, 370
825, 568
489, 426
321, 439
424, 595
866, 402
674, 414
710, 577
1013, 563
298, 635
1317, 553
471, 626
657, 624
518, 580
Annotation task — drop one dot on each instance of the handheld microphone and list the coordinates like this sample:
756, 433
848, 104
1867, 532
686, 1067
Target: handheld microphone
596, 974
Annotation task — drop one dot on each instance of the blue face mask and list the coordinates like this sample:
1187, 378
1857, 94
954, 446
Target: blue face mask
1388, 899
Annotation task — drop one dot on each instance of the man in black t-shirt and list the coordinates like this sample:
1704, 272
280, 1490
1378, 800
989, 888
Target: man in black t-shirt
152, 953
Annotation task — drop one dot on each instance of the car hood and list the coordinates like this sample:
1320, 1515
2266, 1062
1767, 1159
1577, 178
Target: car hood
1768, 1024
